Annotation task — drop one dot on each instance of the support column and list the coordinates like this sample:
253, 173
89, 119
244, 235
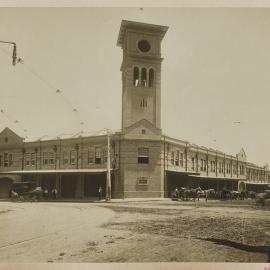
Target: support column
165, 185
39, 180
58, 185
186, 157
207, 168
82, 185
79, 187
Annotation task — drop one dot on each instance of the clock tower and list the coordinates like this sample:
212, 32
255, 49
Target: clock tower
141, 70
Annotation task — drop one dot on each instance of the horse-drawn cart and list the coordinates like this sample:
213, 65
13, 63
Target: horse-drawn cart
25, 191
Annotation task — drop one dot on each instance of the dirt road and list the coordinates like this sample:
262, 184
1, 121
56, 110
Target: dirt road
46, 232
192, 232
160, 231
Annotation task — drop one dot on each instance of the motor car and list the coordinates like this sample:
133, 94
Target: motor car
263, 199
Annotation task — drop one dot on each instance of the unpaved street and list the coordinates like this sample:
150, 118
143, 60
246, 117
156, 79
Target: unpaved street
160, 231
43, 232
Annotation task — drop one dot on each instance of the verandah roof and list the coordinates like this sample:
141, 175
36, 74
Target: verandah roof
56, 171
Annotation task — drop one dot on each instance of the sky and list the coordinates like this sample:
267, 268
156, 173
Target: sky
214, 82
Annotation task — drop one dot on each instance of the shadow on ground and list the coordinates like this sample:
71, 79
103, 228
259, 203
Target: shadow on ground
241, 246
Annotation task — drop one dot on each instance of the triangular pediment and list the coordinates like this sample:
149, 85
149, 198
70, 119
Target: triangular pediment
242, 155
9, 137
142, 129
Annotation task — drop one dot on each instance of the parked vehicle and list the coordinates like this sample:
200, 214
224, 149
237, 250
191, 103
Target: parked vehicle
22, 188
263, 199
251, 194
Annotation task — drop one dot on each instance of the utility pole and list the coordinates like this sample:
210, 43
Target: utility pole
108, 180
14, 54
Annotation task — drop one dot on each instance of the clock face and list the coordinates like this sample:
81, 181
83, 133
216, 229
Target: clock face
144, 45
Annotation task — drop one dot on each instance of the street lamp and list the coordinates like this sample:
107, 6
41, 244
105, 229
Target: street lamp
14, 54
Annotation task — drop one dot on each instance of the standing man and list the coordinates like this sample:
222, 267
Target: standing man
100, 192
177, 192
46, 194
55, 193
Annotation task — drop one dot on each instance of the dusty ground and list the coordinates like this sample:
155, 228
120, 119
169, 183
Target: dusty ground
48, 232
160, 231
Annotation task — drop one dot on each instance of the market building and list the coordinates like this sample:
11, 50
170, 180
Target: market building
143, 161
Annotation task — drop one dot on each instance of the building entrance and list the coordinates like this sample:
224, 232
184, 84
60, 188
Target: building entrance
92, 182
5, 186
48, 182
177, 179
68, 186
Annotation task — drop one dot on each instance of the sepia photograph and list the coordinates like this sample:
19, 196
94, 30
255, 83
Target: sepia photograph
134, 135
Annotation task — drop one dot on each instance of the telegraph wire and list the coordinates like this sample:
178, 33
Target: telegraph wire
11, 119
55, 90
51, 87
34, 73
4, 112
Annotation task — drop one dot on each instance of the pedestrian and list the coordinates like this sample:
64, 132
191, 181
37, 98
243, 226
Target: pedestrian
55, 193
100, 192
176, 192
46, 194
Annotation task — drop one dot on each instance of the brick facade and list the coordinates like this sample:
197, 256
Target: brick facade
144, 163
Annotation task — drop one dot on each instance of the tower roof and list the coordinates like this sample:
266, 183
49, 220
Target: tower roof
161, 30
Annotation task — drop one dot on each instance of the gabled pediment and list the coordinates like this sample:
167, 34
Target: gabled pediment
9, 137
142, 129
242, 155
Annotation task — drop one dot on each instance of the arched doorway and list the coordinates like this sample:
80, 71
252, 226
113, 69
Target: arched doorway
5, 186
242, 186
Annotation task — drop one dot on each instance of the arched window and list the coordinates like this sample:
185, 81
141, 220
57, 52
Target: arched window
135, 76
151, 77
143, 78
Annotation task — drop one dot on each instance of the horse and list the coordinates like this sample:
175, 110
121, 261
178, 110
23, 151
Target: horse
36, 194
225, 194
193, 193
209, 193
14, 195
235, 195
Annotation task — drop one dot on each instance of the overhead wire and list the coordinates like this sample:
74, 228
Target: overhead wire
11, 119
56, 90
50, 86
4, 112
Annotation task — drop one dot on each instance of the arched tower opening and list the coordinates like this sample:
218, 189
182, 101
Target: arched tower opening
151, 77
136, 76
141, 68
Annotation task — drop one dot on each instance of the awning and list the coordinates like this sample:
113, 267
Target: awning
216, 178
183, 172
256, 183
56, 171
